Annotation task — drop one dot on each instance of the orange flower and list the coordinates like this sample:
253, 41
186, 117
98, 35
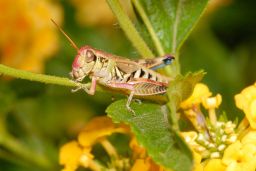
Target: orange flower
27, 36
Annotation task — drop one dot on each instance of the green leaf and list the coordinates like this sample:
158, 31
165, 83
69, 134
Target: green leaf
182, 87
172, 20
153, 131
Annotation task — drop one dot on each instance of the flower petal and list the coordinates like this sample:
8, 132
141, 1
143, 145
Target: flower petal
98, 128
215, 164
246, 101
69, 156
200, 91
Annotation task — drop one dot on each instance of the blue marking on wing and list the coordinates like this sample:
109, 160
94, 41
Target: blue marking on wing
167, 61
158, 66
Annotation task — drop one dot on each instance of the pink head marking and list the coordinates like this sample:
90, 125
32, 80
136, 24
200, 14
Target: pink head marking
76, 63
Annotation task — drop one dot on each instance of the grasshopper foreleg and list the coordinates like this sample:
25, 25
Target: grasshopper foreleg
90, 91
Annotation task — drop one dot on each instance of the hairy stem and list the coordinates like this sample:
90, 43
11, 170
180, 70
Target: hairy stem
5, 70
130, 29
173, 115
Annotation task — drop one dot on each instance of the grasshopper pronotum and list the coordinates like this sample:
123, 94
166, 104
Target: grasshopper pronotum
135, 77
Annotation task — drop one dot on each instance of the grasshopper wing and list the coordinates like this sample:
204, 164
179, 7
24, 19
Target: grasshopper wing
127, 66
156, 62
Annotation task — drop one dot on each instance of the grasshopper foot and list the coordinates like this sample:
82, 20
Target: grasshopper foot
130, 109
79, 87
138, 101
84, 87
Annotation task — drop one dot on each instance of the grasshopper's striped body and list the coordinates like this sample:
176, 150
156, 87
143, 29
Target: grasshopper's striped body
116, 72
135, 77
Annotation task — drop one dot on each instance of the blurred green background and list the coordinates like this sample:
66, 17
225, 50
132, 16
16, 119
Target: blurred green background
43, 117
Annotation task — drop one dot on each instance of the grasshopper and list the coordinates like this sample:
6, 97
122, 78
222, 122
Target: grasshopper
134, 77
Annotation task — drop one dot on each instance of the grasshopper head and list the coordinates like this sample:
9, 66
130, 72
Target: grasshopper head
83, 63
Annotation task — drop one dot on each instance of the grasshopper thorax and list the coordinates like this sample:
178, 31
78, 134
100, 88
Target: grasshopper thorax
83, 63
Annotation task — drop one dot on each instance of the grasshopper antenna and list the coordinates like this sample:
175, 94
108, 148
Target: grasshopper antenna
69, 39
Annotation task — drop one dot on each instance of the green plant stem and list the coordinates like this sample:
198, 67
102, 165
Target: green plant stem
13, 145
47, 79
173, 115
5, 70
130, 29
149, 27
174, 69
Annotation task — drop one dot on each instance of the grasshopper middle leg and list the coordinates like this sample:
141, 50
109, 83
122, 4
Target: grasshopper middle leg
129, 100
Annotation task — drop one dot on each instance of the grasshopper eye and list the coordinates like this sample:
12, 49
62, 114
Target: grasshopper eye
90, 56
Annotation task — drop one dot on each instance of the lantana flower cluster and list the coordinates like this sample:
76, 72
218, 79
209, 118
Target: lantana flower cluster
216, 142
79, 153
27, 36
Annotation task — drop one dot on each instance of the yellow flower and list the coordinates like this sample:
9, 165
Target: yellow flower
97, 129
246, 101
200, 92
214, 164
189, 136
70, 155
142, 161
27, 36
75, 154
140, 164
212, 102
240, 156
250, 137
146, 164
138, 151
